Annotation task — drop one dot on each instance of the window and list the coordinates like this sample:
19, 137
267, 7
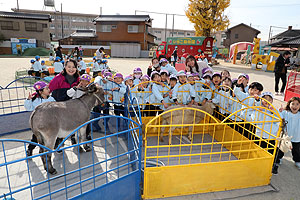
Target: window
133, 28
59, 26
113, 26
236, 36
223, 36
105, 28
66, 26
52, 26
222, 43
30, 26
188, 34
157, 31
44, 25
180, 33
158, 38
9, 25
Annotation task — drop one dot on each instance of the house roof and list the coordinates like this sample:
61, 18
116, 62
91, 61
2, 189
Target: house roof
287, 42
84, 34
242, 24
126, 18
20, 15
53, 12
290, 33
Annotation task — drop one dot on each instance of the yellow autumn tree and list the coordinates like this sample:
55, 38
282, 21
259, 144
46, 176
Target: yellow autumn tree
208, 16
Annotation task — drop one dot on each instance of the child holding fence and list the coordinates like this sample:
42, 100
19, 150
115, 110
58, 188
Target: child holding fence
183, 92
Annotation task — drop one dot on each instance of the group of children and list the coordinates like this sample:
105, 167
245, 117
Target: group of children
166, 87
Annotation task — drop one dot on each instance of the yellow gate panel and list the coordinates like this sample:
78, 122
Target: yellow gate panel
206, 177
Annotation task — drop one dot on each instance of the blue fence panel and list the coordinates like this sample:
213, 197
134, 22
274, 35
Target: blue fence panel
114, 162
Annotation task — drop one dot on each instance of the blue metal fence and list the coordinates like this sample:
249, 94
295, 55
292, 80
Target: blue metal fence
111, 169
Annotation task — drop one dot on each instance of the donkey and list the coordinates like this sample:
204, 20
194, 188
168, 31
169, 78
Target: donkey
58, 119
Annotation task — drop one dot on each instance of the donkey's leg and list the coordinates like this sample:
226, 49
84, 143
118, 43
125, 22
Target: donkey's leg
82, 137
50, 142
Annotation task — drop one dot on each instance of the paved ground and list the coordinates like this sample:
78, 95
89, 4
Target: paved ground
287, 181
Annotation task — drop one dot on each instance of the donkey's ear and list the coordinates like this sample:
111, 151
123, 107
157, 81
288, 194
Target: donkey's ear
92, 88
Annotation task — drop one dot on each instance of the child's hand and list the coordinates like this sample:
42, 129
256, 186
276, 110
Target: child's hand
281, 108
256, 96
116, 88
240, 81
30, 96
165, 105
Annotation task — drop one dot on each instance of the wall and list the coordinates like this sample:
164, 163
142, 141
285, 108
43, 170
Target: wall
39, 36
120, 34
244, 35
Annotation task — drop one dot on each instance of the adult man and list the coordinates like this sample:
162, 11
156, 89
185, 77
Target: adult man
174, 54
280, 70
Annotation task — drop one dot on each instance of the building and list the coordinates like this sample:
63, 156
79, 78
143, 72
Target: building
160, 35
70, 23
23, 26
240, 33
288, 34
125, 29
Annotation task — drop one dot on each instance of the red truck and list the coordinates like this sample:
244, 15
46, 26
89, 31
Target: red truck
191, 45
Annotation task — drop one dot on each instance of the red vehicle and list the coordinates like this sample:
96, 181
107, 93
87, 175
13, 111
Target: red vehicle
191, 45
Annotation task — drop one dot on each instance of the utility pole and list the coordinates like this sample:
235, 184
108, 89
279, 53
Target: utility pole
100, 10
18, 5
166, 27
62, 22
173, 26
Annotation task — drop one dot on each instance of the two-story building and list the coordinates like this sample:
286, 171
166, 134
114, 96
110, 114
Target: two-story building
125, 29
23, 26
240, 33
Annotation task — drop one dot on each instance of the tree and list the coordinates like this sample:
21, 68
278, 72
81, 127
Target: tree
208, 15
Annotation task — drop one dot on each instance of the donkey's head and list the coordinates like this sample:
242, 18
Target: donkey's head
98, 92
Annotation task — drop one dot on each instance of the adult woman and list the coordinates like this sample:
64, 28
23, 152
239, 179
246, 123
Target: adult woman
58, 52
65, 80
192, 64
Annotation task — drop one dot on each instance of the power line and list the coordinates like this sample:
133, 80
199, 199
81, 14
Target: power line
267, 6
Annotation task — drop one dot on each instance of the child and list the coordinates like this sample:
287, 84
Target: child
216, 81
254, 90
196, 76
137, 74
96, 67
190, 78
156, 97
103, 65
37, 67
58, 66
244, 83
30, 71
225, 73
51, 58
183, 92
164, 64
41, 95
205, 92
78, 91
44, 68
173, 82
292, 115
222, 98
118, 92
164, 76
81, 66
129, 81
154, 66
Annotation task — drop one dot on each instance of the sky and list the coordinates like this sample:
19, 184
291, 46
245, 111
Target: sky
260, 14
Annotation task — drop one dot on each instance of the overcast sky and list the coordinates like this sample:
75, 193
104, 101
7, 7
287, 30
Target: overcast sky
261, 14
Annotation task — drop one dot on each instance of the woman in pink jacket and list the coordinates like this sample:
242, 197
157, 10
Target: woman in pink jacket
65, 80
